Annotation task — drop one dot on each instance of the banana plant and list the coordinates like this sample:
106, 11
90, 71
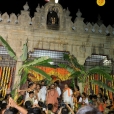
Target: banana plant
78, 71
28, 65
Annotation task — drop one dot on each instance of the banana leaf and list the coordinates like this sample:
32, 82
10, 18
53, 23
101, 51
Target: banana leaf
8, 48
35, 61
13, 92
25, 50
41, 72
101, 84
46, 65
96, 70
104, 68
24, 77
75, 74
66, 56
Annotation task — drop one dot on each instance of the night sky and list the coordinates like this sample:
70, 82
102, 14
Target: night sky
90, 10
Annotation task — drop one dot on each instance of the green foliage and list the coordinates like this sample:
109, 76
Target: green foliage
82, 74
27, 65
98, 70
24, 77
8, 48
41, 72
13, 92
24, 54
36, 61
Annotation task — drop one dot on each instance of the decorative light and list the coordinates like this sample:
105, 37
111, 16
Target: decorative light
100, 2
56, 1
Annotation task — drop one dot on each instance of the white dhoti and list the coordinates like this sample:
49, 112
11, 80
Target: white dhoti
67, 97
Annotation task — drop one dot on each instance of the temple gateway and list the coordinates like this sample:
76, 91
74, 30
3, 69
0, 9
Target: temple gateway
52, 32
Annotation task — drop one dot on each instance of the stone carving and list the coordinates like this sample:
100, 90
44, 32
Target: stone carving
99, 22
13, 18
103, 28
5, 18
26, 7
24, 20
40, 20
79, 14
109, 28
38, 9
89, 26
67, 12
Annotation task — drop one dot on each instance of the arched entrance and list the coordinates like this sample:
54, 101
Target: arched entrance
101, 61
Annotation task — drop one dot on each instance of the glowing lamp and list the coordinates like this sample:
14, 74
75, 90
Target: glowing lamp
56, 1
100, 2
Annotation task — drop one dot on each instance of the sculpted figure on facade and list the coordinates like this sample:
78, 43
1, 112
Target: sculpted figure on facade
53, 15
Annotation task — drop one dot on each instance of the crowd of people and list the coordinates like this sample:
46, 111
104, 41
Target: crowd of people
42, 99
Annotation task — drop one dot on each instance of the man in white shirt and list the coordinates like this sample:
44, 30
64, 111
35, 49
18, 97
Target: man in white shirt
57, 88
67, 95
83, 99
42, 92
31, 97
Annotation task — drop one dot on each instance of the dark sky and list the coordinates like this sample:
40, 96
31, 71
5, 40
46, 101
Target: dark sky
90, 10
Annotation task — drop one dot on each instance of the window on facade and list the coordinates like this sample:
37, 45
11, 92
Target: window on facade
97, 60
5, 59
7, 69
56, 56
